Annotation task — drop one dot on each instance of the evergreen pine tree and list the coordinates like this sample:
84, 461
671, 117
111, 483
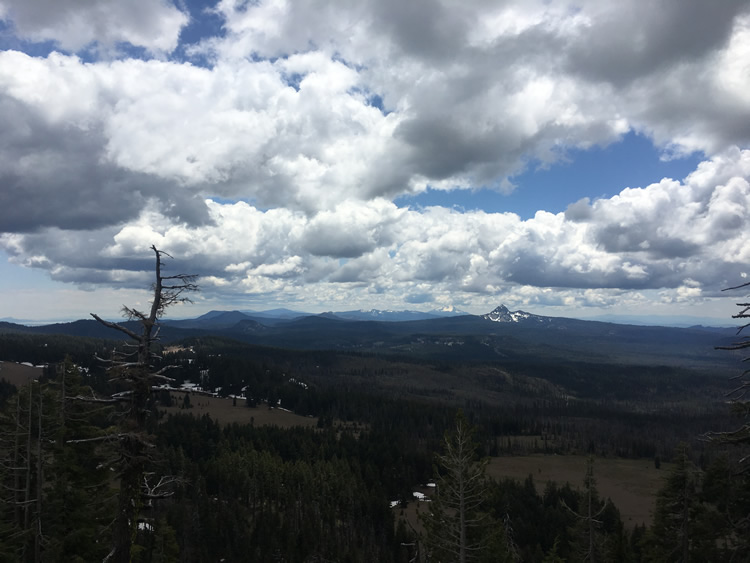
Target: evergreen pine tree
589, 519
457, 529
669, 538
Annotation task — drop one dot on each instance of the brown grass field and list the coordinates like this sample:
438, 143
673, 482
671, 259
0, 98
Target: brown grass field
17, 374
631, 484
221, 409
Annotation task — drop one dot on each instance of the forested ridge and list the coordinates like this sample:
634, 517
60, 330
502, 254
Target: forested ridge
246, 492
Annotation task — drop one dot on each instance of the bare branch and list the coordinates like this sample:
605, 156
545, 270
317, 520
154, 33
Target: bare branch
86, 440
736, 287
116, 326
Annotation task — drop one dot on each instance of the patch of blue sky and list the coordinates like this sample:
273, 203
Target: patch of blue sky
372, 99
600, 172
9, 41
91, 53
123, 50
205, 23
293, 79
376, 101
418, 298
14, 277
231, 201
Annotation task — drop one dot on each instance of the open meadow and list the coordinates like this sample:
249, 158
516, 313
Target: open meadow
223, 410
19, 374
632, 484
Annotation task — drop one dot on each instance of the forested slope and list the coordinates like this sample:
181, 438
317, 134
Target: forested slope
250, 493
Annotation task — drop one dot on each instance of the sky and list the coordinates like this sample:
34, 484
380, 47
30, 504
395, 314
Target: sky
565, 158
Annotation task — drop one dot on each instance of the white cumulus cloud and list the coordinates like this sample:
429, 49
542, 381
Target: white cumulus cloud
77, 24
268, 158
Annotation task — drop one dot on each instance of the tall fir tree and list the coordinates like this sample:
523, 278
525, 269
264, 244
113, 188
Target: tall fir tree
588, 520
669, 539
457, 529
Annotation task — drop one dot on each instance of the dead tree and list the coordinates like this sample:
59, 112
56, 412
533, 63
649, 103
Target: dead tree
133, 366
17, 470
22, 472
739, 394
590, 519
740, 401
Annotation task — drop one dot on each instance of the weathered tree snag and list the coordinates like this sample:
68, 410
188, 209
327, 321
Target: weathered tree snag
739, 395
132, 365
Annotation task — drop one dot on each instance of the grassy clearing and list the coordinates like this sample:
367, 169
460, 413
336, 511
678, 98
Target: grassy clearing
221, 410
19, 374
631, 484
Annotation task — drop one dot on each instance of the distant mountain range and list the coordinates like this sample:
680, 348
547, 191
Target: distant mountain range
275, 316
396, 316
502, 314
500, 335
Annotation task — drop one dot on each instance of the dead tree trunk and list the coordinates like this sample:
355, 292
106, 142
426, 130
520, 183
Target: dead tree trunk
133, 366
39, 481
27, 496
18, 510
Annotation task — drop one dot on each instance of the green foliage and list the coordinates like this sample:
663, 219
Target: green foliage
457, 526
587, 530
554, 556
677, 508
56, 478
7, 390
264, 493
81, 500
52, 348
698, 514
162, 546
598, 533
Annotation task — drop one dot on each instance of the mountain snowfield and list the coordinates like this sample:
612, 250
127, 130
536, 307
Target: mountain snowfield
502, 314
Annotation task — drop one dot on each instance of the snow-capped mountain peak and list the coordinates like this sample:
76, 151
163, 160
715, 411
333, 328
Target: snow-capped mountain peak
502, 314
448, 311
